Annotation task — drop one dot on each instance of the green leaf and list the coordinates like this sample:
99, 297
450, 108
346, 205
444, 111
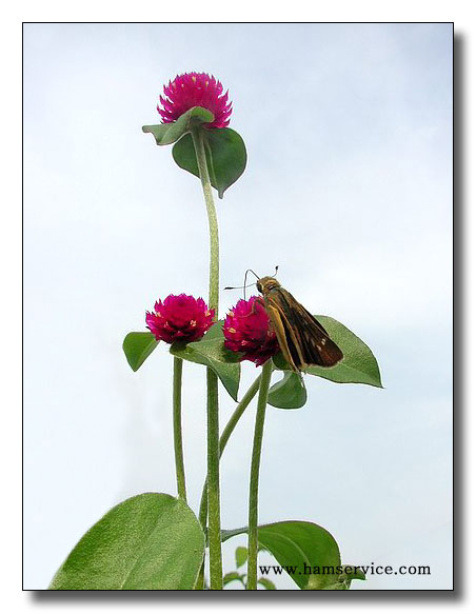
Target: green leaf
349, 573
226, 156
166, 134
148, 542
353, 572
231, 577
241, 555
296, 544
137, 347
268, 585
211, 351
358, 366
215, 332
288, 393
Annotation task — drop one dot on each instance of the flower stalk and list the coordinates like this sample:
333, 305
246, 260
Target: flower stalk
177, 411
212, 218
225, 436
213, 454
252, 579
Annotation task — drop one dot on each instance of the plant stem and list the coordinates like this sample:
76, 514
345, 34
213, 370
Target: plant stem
212, 219
252, 580
213, 472
225, 436
177, 404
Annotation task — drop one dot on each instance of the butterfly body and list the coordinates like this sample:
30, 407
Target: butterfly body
303, 341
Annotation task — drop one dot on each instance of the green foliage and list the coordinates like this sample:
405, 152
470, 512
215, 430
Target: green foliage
241, 556
226, 156
306, 551
137, 347
166, 134
288, 393
233, 576
148, 542
267, 584
210, 351
344, 580
358, 366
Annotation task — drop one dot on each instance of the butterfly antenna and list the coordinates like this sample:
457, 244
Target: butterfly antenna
244, 282
245, 285
236, 287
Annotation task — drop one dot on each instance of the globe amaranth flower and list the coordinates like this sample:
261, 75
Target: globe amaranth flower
195, 90
179, 318
248, 330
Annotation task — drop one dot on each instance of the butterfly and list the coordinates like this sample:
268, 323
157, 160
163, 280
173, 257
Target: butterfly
303, 341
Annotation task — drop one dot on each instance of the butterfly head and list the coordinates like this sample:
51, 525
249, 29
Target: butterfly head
266, 284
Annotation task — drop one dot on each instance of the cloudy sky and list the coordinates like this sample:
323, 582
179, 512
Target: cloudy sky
348, 189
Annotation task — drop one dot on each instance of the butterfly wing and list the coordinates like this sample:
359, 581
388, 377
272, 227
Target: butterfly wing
307, 341
287, 341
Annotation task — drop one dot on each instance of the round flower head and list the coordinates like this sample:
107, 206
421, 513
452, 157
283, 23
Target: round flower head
179, 318
195, 90
248, 330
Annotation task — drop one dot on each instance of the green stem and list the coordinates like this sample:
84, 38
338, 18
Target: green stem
212, 218
252, 580
177, 404
213, 464
225, 436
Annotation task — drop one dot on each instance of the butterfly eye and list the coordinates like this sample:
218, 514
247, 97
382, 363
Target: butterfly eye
260, 287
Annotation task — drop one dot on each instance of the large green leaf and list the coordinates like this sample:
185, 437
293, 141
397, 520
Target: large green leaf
301, 548
358, 366
210, 351
149, 542
288, 393
137, 347
165, 134
226, 156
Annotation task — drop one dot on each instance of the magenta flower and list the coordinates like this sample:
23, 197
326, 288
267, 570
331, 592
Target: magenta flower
179, 318
248, 330
195, 90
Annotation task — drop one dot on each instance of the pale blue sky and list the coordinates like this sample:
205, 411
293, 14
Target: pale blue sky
348, 188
